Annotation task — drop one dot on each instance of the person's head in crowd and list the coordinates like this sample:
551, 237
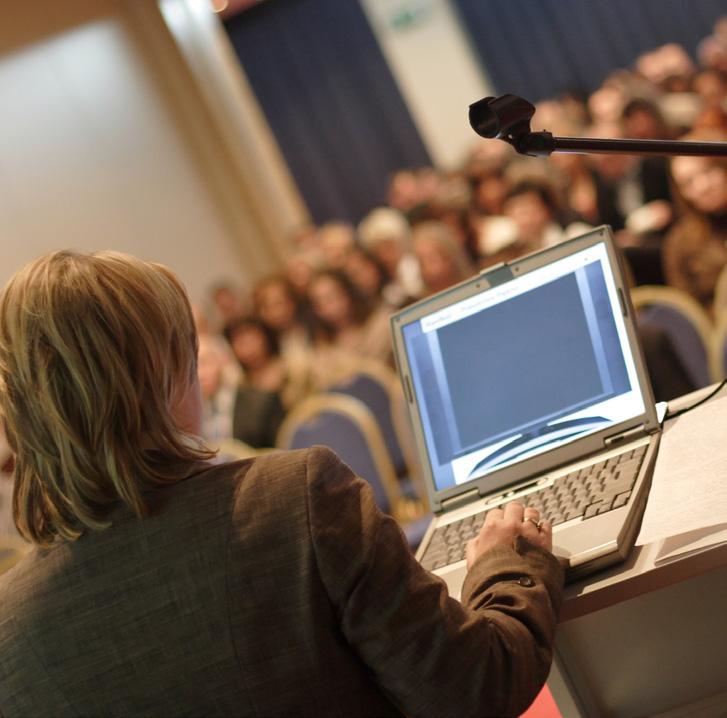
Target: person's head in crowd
533, 206
642, 120
335, 239
429, 182
606, 104
368, 273
575, 109
336, 302
402, 193
442, 261
385, 232
213, 362
668, 67
711, 86
451, 205
304, 237
300, 268
711, 119
253, 343
99, 391
701, 182
276, 301
227, 301
712, 53
488, 192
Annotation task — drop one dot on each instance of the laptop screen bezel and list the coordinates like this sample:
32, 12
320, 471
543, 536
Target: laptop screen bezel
513, 474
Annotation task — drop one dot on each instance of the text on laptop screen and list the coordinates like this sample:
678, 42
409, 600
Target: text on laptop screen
521, 368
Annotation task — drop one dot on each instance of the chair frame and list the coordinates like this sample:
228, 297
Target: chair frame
389, 379
650, 295
359, 414
717, 367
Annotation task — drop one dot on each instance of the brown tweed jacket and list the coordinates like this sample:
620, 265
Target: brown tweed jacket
267, 588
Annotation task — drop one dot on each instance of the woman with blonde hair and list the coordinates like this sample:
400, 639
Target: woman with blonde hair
162, 584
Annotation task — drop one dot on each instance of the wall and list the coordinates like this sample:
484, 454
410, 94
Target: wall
437, 73
97, 153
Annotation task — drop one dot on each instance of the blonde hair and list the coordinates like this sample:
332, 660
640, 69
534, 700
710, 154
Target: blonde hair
95, 352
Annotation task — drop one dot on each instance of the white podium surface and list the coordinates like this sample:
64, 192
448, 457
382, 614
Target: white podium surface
648, 637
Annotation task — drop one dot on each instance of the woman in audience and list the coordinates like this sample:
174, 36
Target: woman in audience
277, 303
270, 385
347, 327
694, 251
163, 585
370, 277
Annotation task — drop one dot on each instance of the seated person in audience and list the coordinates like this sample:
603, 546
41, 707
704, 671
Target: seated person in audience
219, 379
335, 239
164, 585
386, 233
278, 305
347, 327
371, 278
451, 205
227, 303
270, 385
442, 261
694, 251
531, 210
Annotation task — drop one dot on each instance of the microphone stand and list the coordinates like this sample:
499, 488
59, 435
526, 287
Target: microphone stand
508, 118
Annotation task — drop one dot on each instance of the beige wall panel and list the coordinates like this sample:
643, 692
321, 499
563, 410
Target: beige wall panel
92, 155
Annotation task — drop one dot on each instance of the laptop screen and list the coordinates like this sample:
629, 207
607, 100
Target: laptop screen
521, 368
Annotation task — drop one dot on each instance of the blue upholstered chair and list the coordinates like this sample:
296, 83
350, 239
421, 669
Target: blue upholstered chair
685, 322
377, 386
345, 425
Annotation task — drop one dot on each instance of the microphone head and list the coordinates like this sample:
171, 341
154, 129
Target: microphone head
506, 117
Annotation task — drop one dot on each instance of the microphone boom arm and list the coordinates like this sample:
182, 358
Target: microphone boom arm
508, 118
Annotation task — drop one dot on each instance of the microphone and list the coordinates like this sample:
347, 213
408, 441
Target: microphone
508, 118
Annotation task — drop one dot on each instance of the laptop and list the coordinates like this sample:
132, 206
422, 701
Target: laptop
527, 383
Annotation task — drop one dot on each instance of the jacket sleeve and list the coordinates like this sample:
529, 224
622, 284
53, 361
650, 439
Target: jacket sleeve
431, 654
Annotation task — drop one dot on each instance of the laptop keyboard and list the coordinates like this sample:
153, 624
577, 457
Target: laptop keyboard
585, 493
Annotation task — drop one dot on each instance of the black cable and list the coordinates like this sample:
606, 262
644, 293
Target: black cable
721, 386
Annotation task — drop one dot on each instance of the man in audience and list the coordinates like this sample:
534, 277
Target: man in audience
164, 585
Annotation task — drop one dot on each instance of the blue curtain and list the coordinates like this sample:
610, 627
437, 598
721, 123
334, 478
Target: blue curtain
540, 48
330, 99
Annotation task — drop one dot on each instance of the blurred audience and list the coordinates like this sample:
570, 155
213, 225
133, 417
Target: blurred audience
442, 260
330, 304
347, 327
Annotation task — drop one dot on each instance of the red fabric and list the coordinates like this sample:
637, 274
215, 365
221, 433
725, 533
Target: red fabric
543, 706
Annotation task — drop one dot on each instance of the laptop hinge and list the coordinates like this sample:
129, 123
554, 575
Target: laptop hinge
625, 436
460, 500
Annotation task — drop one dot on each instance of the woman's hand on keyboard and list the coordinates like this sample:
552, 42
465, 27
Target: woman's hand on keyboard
503, 526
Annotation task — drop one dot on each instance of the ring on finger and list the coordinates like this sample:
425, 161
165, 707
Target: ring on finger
533, 521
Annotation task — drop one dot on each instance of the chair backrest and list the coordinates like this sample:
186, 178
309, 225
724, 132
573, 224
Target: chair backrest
346, 426
685, 322
373, 384
718, 351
